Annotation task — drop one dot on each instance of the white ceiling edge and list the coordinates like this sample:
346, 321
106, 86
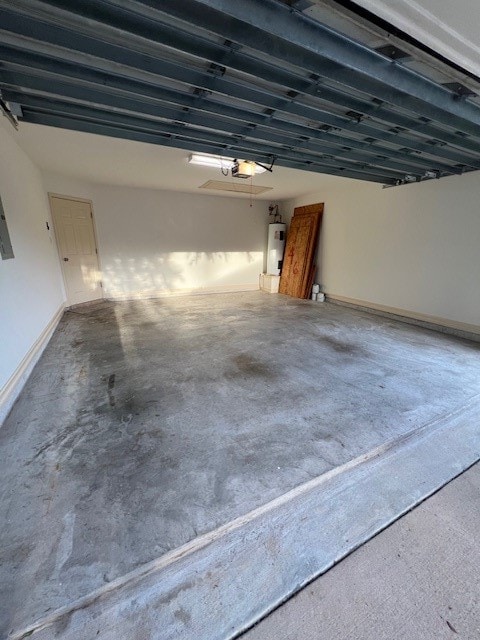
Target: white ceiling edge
442, 25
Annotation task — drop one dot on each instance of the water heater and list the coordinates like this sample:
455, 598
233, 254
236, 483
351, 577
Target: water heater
276, 245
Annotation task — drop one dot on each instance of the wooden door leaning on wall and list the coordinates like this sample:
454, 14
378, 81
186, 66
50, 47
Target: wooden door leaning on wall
298, 268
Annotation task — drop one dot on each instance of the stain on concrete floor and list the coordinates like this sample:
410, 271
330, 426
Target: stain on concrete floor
148, 423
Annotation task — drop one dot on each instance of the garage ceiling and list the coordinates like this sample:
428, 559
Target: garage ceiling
263, 79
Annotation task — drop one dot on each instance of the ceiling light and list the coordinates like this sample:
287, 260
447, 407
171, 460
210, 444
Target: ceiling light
219, 162
243, 169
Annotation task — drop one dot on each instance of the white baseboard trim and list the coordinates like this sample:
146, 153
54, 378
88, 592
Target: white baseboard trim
200, 291
11, 390
449, 326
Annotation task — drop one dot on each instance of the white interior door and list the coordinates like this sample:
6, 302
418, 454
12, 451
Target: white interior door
73, 220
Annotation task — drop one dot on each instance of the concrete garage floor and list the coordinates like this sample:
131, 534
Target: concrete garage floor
417, 580
148, 423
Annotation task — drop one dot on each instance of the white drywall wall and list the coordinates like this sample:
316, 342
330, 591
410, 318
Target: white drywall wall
31, 288
415, 247
154, 242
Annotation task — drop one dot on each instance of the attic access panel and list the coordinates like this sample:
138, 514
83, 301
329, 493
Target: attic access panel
256, 79
235, 187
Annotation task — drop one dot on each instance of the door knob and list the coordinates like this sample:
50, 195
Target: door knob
65, 259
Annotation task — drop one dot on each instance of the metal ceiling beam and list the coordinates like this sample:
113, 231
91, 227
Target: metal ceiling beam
21, 65
243, 62
90, 113
270, 27
268, 131
39, 74
142, 21
377, 110
57, 34
134, 107
52, 39
80, 70
184, 142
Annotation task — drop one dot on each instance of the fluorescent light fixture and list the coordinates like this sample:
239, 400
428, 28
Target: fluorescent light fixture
210, 161
218, 162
